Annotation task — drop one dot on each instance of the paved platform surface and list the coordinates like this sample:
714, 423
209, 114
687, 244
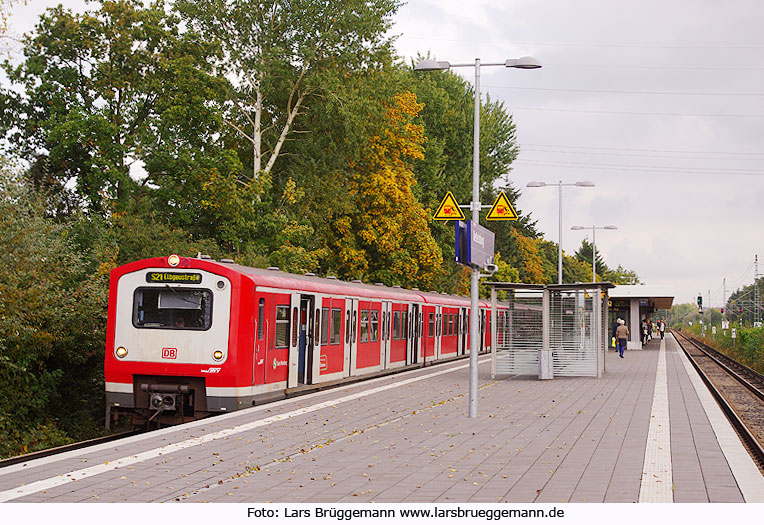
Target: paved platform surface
407, 438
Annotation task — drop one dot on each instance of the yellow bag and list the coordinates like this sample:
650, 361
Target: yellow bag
612, 342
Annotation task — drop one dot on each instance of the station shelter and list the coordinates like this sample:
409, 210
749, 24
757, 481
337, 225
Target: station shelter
634, 304
549, 330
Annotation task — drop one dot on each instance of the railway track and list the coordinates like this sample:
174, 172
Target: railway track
738, 390
65, 448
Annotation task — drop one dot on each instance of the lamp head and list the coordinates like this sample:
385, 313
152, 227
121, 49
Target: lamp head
431, 65
585, 183
536, 184
611, 227
523, 63
577, 227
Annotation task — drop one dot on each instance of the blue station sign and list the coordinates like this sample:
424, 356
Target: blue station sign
474, 244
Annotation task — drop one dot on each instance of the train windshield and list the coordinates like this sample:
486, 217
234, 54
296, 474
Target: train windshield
172, 308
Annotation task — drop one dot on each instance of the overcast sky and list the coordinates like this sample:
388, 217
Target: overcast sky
659, 103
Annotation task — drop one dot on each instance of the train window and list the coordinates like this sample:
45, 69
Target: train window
336, 325
396, 325
324, 326
355, 317
374, 325
450, 324
431, 325
404, 325
260, 319
294, 326
347, 326
282, 327
364, 326
172, 308
317, 330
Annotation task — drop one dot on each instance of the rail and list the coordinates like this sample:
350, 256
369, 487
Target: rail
752, 443
65, 448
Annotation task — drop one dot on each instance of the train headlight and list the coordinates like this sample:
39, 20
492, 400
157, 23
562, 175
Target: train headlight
121, 352
173, 260
217, 355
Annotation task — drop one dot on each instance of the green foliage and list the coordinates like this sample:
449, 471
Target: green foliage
52, 299
747, 348
621, 275
584, 254
101, 90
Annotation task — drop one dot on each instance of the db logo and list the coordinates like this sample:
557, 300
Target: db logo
169, 353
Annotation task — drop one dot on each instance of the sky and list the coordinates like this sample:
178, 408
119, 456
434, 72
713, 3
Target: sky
659, 103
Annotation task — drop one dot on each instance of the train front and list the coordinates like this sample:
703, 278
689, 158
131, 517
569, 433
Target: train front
170, 354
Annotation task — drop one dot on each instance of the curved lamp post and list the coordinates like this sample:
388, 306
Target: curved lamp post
594, 245
435, 65
582, 184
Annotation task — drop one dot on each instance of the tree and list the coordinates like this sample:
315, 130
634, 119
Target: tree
448, 120
584, 254
52, 299
621, 275
101, 91
575, 271
387, 238
280, 56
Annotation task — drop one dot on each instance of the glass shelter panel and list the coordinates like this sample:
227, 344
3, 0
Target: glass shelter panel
519, 334
573, 333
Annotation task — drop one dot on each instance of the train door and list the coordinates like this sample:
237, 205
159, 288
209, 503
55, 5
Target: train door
412, 353
387, 312
294, 342
351, 333
482, 330
260, 336
429, 332
316, 363
438, 331
306, 341
464, 330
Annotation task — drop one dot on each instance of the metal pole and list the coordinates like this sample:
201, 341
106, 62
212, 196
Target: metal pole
559, 247
475, 281
594, 257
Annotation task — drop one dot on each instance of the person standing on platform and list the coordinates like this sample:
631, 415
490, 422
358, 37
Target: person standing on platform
644, 331
662, 327
615, 327
621, 336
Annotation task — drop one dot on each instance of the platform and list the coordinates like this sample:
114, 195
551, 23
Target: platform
639, 433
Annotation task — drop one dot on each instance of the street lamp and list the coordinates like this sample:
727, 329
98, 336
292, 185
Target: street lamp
537, 184
434, 65
594, 245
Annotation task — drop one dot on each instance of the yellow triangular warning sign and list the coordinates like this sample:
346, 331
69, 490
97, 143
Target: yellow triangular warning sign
449, 209
502, 210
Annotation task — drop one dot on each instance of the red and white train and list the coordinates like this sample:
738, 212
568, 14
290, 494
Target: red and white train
187, 337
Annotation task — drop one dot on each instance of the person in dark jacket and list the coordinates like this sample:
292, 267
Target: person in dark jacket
615, 327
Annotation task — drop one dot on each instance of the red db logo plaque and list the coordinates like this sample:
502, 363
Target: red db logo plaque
169, 353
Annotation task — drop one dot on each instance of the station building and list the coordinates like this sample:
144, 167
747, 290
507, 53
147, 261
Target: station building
633, 304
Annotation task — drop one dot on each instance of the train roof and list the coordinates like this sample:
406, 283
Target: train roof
275, 278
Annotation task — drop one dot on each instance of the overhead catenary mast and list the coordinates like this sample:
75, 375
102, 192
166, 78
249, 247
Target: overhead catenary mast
756, 293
